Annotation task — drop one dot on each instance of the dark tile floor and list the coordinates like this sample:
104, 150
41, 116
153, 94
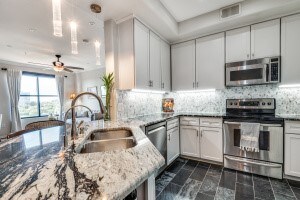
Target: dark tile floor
188, 179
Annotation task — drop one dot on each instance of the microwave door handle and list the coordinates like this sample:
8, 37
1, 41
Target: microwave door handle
267, 73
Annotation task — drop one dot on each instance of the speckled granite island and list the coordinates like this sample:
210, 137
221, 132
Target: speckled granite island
36, 166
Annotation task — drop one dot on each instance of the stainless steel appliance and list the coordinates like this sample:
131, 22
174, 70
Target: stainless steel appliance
157, 134
269, 160
253, 72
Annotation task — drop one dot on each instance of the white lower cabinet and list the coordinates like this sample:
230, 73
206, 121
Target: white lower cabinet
204, 140
189, 141
292, 149
211, 144
173, 145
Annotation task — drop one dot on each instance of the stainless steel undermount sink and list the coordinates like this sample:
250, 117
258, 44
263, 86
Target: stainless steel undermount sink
110, 134
108, 145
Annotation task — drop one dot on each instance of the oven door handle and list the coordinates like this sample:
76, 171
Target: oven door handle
269, 125
253, 163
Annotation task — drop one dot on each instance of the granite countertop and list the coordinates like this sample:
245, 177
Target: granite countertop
289, 116
38, 168
155, 118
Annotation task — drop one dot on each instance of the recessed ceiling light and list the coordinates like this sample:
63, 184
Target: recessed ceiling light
91, 23
32, 30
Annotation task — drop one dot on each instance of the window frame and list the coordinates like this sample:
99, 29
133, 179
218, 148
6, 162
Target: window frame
38, 96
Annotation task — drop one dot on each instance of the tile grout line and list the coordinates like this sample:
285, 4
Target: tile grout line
204, 177
171, 179
219, 183
291, 188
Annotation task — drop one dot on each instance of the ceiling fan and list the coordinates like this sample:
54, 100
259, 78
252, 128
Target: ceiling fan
59, 66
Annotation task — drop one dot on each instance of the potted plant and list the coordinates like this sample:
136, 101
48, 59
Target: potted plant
108, 81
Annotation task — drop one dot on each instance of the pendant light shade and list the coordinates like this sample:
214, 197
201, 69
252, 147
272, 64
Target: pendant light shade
97, 50
57, 23
74, 42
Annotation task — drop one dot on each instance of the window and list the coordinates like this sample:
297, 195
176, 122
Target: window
38, 96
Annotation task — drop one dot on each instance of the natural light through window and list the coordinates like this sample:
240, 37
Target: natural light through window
39, 95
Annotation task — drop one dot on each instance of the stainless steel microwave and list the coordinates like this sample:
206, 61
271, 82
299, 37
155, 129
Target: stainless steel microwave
253, 72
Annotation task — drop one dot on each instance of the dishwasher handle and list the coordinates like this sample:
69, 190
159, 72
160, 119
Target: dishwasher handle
156, 130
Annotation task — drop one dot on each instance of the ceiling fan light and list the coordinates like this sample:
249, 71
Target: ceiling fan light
74, 43
97, 50
57, 23
58, 68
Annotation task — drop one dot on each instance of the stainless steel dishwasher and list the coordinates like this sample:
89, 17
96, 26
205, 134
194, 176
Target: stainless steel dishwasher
157, 134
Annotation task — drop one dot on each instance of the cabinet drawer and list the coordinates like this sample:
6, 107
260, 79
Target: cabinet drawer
211, 122
172, 123
292, 127
190, 121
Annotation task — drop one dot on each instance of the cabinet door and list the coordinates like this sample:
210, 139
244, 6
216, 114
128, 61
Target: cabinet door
173, 145
210, 58
290, 48
211, 144
183, 66
155, 69
265, 39
141, 47
189, 141
165, 66
238, 44
292, 149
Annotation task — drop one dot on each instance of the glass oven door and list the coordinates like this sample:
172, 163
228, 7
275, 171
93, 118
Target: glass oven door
246, 75
270, 142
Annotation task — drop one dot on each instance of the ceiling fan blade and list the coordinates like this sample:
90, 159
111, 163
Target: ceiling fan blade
68, 70
79, 68
34, 63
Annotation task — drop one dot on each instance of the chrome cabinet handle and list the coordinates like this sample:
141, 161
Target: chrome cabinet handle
169, 137
201, 133
197, 133
248, 55
253, 55
197, 84
193, 84
163, 85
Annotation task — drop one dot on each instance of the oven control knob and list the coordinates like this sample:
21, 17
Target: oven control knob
235, 104
231, 104
263, 103
269, 103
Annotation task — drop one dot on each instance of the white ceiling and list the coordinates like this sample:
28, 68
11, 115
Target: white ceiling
187, 9
19, 44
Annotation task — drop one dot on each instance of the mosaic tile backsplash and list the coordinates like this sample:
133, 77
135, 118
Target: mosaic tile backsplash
132, 104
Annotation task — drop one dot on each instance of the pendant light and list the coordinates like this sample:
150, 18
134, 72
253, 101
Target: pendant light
57, 23
97, 51
74, 42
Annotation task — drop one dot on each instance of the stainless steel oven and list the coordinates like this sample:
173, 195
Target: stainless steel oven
253, 72
269, 160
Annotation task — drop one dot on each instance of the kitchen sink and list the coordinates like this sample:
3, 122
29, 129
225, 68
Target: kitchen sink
108, 145
111, 134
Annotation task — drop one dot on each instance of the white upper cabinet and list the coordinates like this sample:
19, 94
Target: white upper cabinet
265, 39
290, 48
165, 66
141, 47
155, 62
210, 62
238, 44
183, 66
143, 58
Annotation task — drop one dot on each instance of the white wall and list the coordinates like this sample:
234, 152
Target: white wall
89, 79
4, 96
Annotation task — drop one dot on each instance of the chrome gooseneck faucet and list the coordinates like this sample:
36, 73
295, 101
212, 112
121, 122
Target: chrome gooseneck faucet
102, 108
